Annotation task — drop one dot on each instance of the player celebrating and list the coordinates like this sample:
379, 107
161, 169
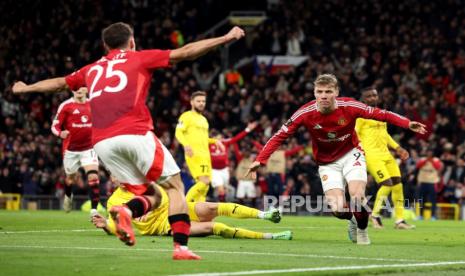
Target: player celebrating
220, 159
122, 126
376, 142
73, 124
192, 134
330, 121
201, 215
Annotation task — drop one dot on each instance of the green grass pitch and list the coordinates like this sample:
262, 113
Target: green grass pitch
55, 243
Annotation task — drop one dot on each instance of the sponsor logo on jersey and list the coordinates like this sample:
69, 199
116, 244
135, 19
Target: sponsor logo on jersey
84, 118
76, 111
330, 140
317, 126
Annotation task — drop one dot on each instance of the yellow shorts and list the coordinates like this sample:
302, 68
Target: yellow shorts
199, 166
382, 167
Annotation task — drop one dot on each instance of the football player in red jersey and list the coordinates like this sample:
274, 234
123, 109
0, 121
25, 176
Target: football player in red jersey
122, 126
330, 121
73, 124
220, 159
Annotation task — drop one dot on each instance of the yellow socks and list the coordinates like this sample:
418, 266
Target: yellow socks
221, 229
398, 199
234, 210
198, 192
381, 197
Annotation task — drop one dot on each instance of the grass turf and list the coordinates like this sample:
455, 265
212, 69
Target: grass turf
52, 242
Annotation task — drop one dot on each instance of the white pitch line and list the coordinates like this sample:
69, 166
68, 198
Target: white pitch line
314, 256
49, 231
324, 268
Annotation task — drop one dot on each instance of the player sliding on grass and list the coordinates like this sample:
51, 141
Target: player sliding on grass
201, 215
330, 121
122, 126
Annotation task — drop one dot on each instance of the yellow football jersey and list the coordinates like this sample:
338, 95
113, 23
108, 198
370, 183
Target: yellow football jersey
153, 223
192, 130
374, 137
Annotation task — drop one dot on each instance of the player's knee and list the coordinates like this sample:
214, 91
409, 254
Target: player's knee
387, 182
395, 180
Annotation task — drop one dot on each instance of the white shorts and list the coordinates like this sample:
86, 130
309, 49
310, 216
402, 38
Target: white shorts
220, 177
246, 189
351, 166
73, 160
136, 160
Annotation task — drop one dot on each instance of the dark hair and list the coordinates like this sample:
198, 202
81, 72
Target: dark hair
117, 35
198, 93
368, 88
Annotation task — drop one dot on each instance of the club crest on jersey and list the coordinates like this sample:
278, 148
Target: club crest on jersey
342, 121
324, 177
332, 135
84, 118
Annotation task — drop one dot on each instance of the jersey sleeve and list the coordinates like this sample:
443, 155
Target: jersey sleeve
235, 139
181, 128
58, 121
286, 130
152, 59
391, 142
76, 79
364, 111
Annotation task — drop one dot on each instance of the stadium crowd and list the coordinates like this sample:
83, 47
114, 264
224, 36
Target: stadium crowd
414, 58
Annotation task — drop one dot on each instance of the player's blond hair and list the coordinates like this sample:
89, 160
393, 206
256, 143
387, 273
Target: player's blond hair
198, 93
326, 79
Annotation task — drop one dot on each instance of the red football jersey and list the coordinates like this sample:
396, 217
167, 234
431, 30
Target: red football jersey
76, 118
118, 85
333, 135
219, 157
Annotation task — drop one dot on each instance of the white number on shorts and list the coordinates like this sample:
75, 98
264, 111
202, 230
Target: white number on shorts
123, 79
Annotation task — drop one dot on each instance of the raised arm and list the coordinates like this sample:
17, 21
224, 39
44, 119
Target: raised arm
250, 127
364, 111
49, 85
199, 48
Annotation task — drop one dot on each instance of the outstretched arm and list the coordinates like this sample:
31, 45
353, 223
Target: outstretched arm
199, 48
49, 85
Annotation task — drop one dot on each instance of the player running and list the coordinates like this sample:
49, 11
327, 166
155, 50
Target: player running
122, 126
155, 222
73, 124
192, 134
376, 142
330, 121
